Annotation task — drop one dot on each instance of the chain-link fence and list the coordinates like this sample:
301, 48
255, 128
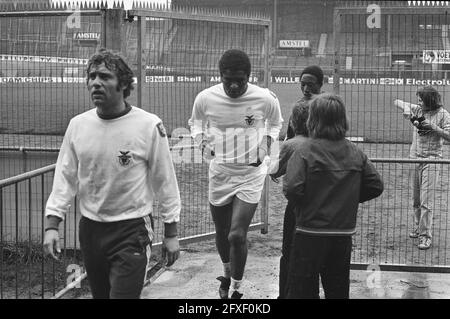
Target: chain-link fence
42, 75
384, 54
388, 55
43, 55
174, 54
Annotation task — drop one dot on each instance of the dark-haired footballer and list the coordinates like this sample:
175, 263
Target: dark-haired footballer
116, 159
311, 81
236, 123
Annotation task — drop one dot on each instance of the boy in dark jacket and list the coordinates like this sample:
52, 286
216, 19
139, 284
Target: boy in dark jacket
326, 179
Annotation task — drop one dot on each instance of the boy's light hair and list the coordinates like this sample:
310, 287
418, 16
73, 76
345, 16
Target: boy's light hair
327, 117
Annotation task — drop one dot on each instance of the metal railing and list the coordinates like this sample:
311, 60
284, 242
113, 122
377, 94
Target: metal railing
24, 271
384, 223
382, 237
22, 204
363, 54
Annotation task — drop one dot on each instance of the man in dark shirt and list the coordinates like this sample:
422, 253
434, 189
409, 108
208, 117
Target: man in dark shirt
311, 81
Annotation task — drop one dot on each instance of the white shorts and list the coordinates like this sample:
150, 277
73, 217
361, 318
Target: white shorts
228, 180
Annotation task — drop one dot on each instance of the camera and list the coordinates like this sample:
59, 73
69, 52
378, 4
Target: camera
417, 122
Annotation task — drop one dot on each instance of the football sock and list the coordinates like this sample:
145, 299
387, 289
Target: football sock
227, 270
235, 284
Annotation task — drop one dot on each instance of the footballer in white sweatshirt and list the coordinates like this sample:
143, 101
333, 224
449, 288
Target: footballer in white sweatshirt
116, 159
114, 166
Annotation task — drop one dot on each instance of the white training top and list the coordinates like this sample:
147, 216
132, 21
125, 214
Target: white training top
236, 126
116, 167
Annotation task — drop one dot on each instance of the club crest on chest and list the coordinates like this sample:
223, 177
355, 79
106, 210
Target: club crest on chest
250, 116
124, 158
249, 119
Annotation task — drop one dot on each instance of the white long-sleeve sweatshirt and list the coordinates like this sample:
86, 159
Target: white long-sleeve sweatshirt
117, 167
236, 126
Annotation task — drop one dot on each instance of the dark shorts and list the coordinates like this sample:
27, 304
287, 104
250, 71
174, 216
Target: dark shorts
116, 256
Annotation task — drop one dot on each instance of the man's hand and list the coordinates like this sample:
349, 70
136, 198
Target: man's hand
206, 149
274, 179
262, 153
425, 127
170, 250
398, 103
428, 127
51, 243
403, 107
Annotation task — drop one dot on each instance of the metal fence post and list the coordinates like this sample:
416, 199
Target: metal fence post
267, 76
337, 47
141, 27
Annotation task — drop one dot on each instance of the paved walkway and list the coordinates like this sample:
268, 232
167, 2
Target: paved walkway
193, 277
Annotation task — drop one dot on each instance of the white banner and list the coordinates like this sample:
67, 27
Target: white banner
159, 78
197, 79
40, 79
391, 81
436, 56
50, 59
86, 36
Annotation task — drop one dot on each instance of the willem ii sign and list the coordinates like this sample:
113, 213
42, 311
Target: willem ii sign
367, 81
